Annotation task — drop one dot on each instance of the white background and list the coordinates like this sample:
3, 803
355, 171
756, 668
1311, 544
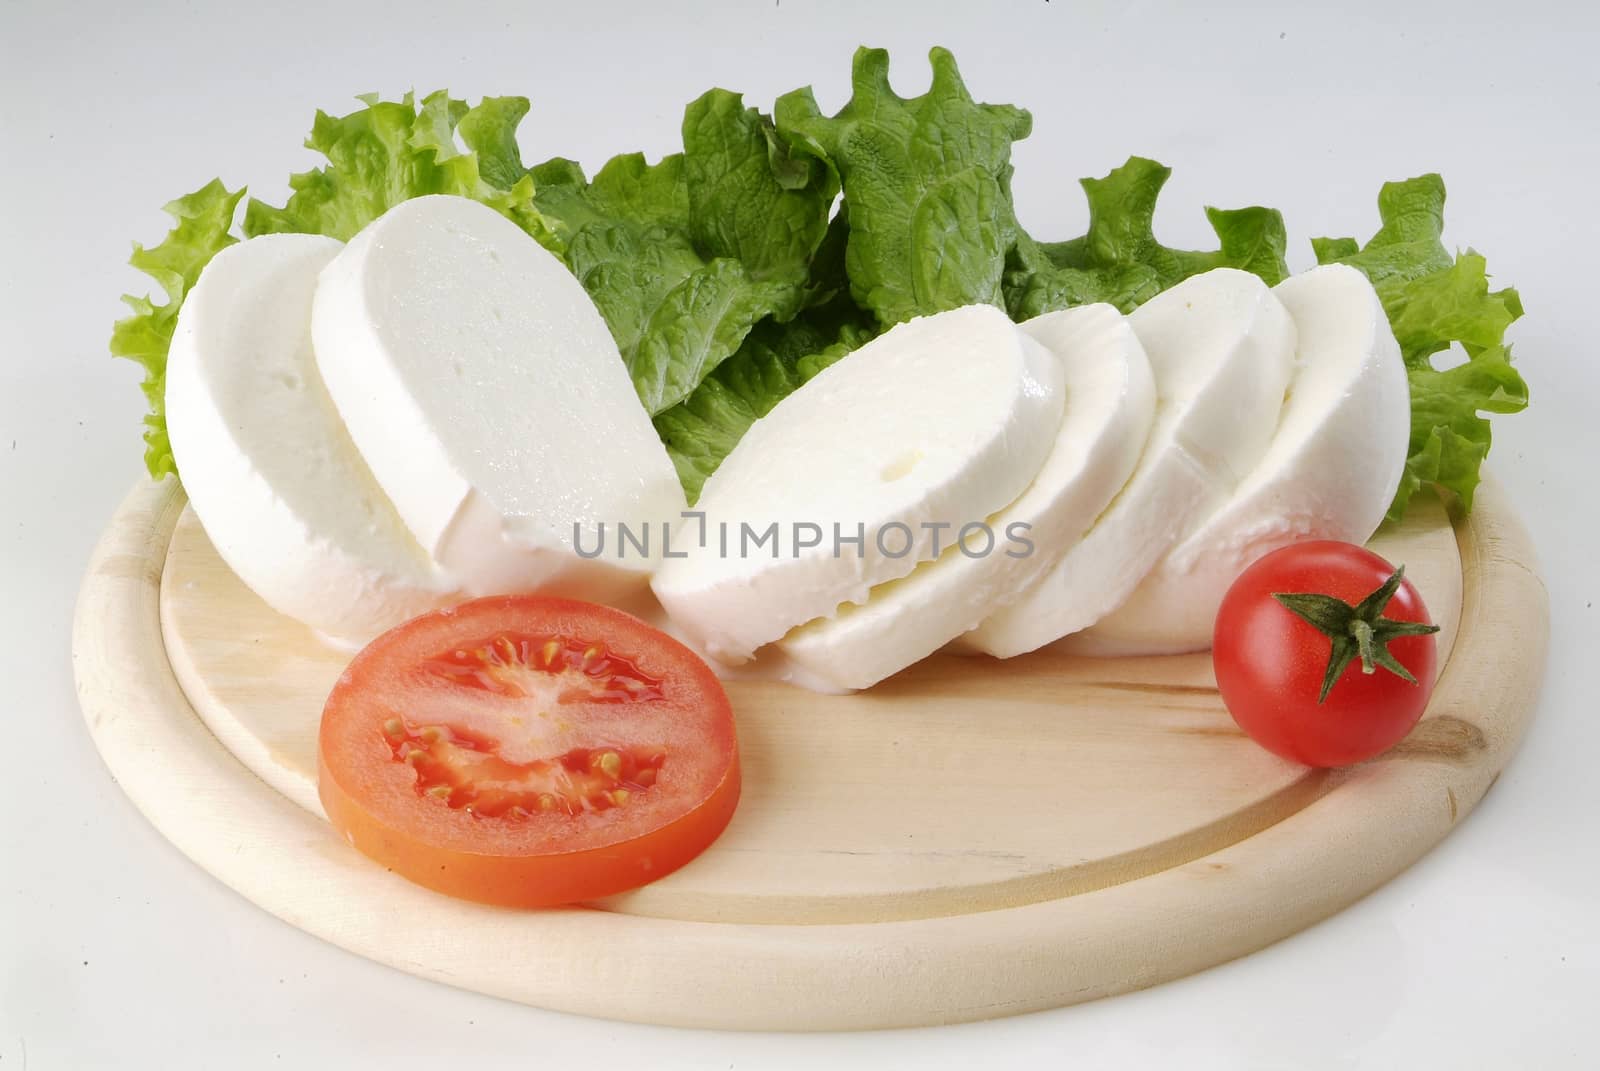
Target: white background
117, 952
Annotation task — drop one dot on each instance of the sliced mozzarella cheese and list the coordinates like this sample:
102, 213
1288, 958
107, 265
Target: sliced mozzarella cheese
487, 395
1221, 347
1110, 403
1329, 473
267, 464
935, 424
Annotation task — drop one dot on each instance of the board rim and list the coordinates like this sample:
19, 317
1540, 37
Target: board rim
914, 972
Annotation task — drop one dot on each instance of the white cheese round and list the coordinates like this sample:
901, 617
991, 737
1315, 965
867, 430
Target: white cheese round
937, 423
269, 469
1329, 474
486, 393
1110, 403
1221, 347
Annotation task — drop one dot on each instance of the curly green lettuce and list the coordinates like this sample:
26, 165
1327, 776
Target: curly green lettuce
684, 257
1437, 301
925, 180
750, 196
391, 151
1119, 260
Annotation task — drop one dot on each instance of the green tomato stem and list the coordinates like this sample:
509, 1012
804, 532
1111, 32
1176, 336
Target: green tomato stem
1359, 631
1363, 634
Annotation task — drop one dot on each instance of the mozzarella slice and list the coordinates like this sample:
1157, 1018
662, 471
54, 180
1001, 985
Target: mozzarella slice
1110, 403
1329, 473
1221, 347
940, 421
269, 469
485, 391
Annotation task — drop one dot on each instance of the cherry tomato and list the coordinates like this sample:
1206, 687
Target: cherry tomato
1294, 667
528, 751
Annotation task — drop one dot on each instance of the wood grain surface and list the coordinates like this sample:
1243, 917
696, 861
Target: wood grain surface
970, 839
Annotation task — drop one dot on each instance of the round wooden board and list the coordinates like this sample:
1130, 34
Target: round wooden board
968, 840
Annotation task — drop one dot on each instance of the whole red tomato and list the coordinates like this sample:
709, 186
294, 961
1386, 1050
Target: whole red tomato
1324, 653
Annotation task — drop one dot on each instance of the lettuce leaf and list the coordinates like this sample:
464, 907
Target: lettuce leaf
1120, 261
685, 256
925, 181
1436, 301
391, 151
675, 312
675, 315
750, 197
204, 219
489, 131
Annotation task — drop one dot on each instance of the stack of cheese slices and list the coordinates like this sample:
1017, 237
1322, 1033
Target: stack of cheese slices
368, 431
437, 411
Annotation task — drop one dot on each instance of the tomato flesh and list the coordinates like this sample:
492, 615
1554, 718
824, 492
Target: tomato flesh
465, 772
1270, 663
528, 751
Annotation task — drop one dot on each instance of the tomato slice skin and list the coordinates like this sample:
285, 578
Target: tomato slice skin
1270, 663
608, 747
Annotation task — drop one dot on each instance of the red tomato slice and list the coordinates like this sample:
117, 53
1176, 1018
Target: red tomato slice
528, 751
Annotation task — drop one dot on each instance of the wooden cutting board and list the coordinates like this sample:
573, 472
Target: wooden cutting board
970, 839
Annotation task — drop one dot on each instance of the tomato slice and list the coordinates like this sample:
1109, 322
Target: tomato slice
528, 751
